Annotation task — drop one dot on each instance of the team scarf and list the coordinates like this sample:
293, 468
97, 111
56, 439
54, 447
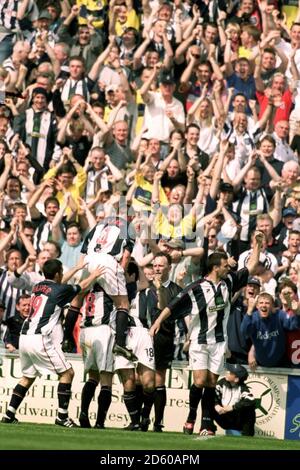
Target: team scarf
73, 87
42, 134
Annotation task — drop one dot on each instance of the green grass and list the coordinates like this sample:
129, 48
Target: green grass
49, 437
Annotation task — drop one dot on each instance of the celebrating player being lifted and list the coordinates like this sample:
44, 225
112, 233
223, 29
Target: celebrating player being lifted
109, 245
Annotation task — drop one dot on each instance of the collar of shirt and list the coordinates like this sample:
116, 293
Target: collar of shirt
166, 284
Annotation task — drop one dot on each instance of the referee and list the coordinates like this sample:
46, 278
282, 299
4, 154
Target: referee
208, 302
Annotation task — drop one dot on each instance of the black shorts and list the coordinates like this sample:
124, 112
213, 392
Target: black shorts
163, 350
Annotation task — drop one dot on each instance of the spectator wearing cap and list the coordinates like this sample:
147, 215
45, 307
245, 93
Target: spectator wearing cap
237, 344
234, 402
283, 229
40, 35
163, 112
266, 328
37, 127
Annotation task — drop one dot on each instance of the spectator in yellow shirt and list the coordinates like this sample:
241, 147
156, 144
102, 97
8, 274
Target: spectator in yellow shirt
70, 177
122, 17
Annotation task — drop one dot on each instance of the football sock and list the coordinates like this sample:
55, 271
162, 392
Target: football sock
70, 321
18, 395
87, 394
130, 403
148, 399
195, 397
160, 400
207, 405
104, 401
121, 326
139, 392
64, 395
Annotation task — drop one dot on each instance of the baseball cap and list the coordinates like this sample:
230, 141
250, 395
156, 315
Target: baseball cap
226, 187
238, 370
175, 243
45, 15
166, 78
289, 211
254, 281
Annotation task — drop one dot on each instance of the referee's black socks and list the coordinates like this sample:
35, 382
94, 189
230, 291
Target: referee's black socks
160, 400
195, 397
148, 399
104, 401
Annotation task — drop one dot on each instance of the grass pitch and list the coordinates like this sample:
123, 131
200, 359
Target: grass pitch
29, 436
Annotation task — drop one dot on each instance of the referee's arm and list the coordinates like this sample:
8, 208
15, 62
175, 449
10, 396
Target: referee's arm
254, 258
156, 325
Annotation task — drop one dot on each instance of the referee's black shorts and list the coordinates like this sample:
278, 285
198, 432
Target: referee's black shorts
163, 350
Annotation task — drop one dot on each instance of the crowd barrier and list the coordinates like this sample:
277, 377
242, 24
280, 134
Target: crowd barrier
277, 394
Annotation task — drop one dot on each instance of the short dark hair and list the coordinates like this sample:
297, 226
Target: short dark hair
29, 224
133, 268
51, 268
215, 260
72, 225
57, 246
21, 297
67, 168
286, 282
51, 200
191, 126
161, 254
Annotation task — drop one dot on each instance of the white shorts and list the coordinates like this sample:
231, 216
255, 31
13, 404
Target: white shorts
41, 355
141, 344
96, 343
207, 357
113, 280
